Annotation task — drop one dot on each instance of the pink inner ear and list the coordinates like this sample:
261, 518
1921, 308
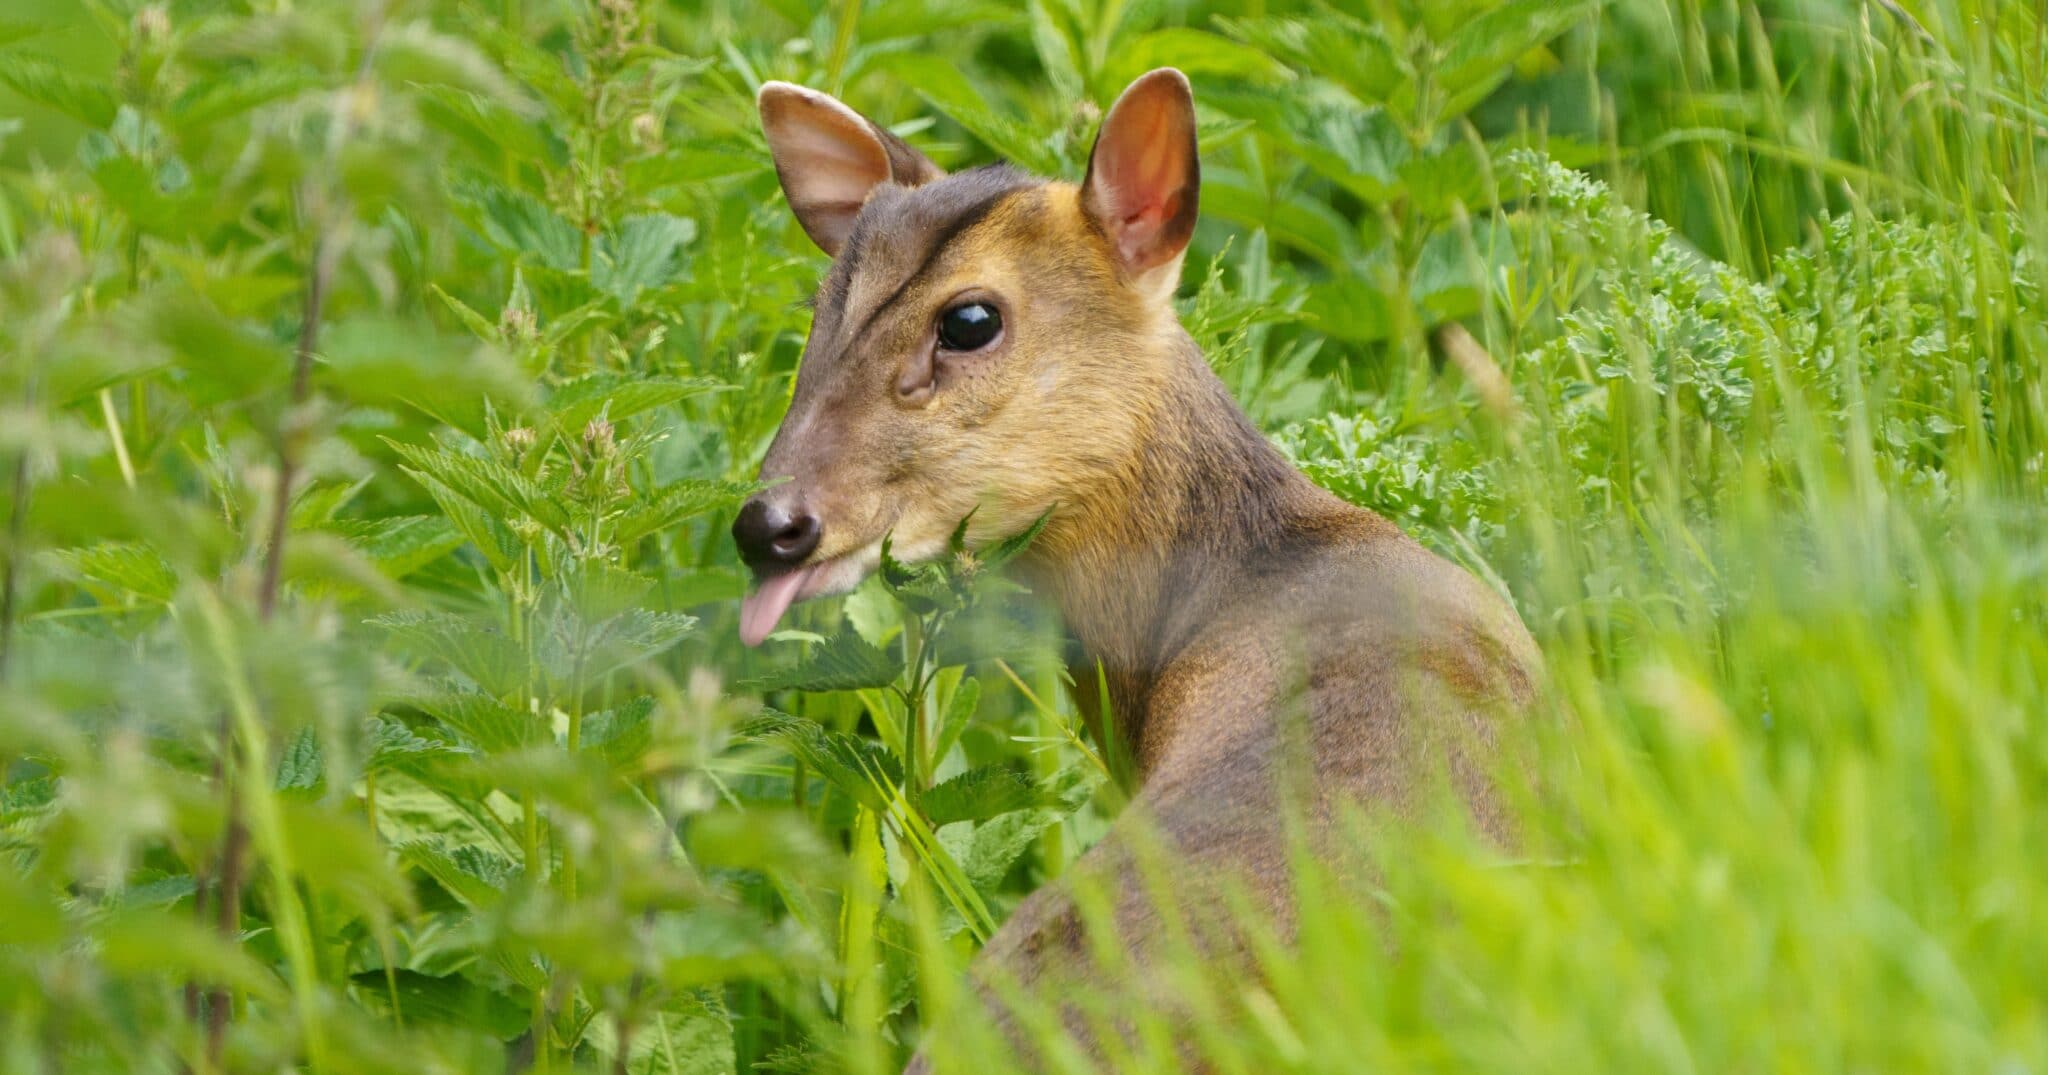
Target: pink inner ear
1139, 231
1141, 171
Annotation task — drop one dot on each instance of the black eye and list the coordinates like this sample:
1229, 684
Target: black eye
969, 326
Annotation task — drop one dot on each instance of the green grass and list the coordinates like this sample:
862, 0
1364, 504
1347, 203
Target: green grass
492, 785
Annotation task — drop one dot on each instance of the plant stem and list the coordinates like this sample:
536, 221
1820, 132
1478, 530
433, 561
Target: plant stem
114, 434
10, 576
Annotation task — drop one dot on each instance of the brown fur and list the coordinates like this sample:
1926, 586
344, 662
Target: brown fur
1231, 602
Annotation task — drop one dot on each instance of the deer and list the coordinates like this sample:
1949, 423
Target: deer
1003, 348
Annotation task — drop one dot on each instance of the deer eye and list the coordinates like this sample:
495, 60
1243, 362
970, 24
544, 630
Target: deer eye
969, 326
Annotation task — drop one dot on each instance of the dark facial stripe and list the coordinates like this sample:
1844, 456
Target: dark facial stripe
973, 214
926, 218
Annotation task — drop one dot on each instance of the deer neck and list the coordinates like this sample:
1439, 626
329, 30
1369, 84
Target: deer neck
1144, 563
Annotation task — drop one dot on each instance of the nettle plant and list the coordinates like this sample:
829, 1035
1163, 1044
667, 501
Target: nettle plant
533, 777
926, 825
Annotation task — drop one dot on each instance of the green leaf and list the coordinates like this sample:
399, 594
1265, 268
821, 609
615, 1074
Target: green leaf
959, 711
632, 637
643, 252
997, 844
980, 794
402, 544
475, 877
449, 1001
487, 127
690, 1034
1480, 55
490, 660
140, 192
118, 571
483, 328
155, 944
852, 764
675, 503
221, 359
691, 166
939, 81
395, 363
416, 52
27, 798
494, 539
574, 404
620, 736
498, 489
845, 662
597, 590
87, 101
519, 225
226, 94
303, 767
1196, 52
484, 723
1008, 549
395, 746
1341, 48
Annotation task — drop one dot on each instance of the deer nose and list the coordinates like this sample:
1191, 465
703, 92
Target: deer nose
772, 536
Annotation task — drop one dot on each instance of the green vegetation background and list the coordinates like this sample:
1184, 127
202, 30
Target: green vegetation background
377, 381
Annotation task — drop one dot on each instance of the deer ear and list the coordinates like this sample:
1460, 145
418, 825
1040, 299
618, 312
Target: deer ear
830, 157
1144, 179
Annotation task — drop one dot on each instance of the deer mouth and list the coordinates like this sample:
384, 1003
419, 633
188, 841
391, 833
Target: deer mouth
763, 608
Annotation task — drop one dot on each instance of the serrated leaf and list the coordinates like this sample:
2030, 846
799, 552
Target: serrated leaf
980, 794
519, 225
395, 746
47, 84
596, 590
503, 492
484, 723
490, 660
852, 764
674, 503
27, 798
115, 571
845, 662
479, 326
473, 876
622, 735
303, 766
574, 404
400, 545
488, 127
632, 637
997, 844
494, 539
1341, 48
959, 711
1008, 549
644, 251
690, 1035
1480, 55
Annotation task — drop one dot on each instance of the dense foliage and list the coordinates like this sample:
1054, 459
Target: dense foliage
378, 377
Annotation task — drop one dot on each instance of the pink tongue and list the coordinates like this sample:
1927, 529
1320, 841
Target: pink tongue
763, 608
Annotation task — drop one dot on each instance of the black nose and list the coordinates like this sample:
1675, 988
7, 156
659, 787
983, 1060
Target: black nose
772, 536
